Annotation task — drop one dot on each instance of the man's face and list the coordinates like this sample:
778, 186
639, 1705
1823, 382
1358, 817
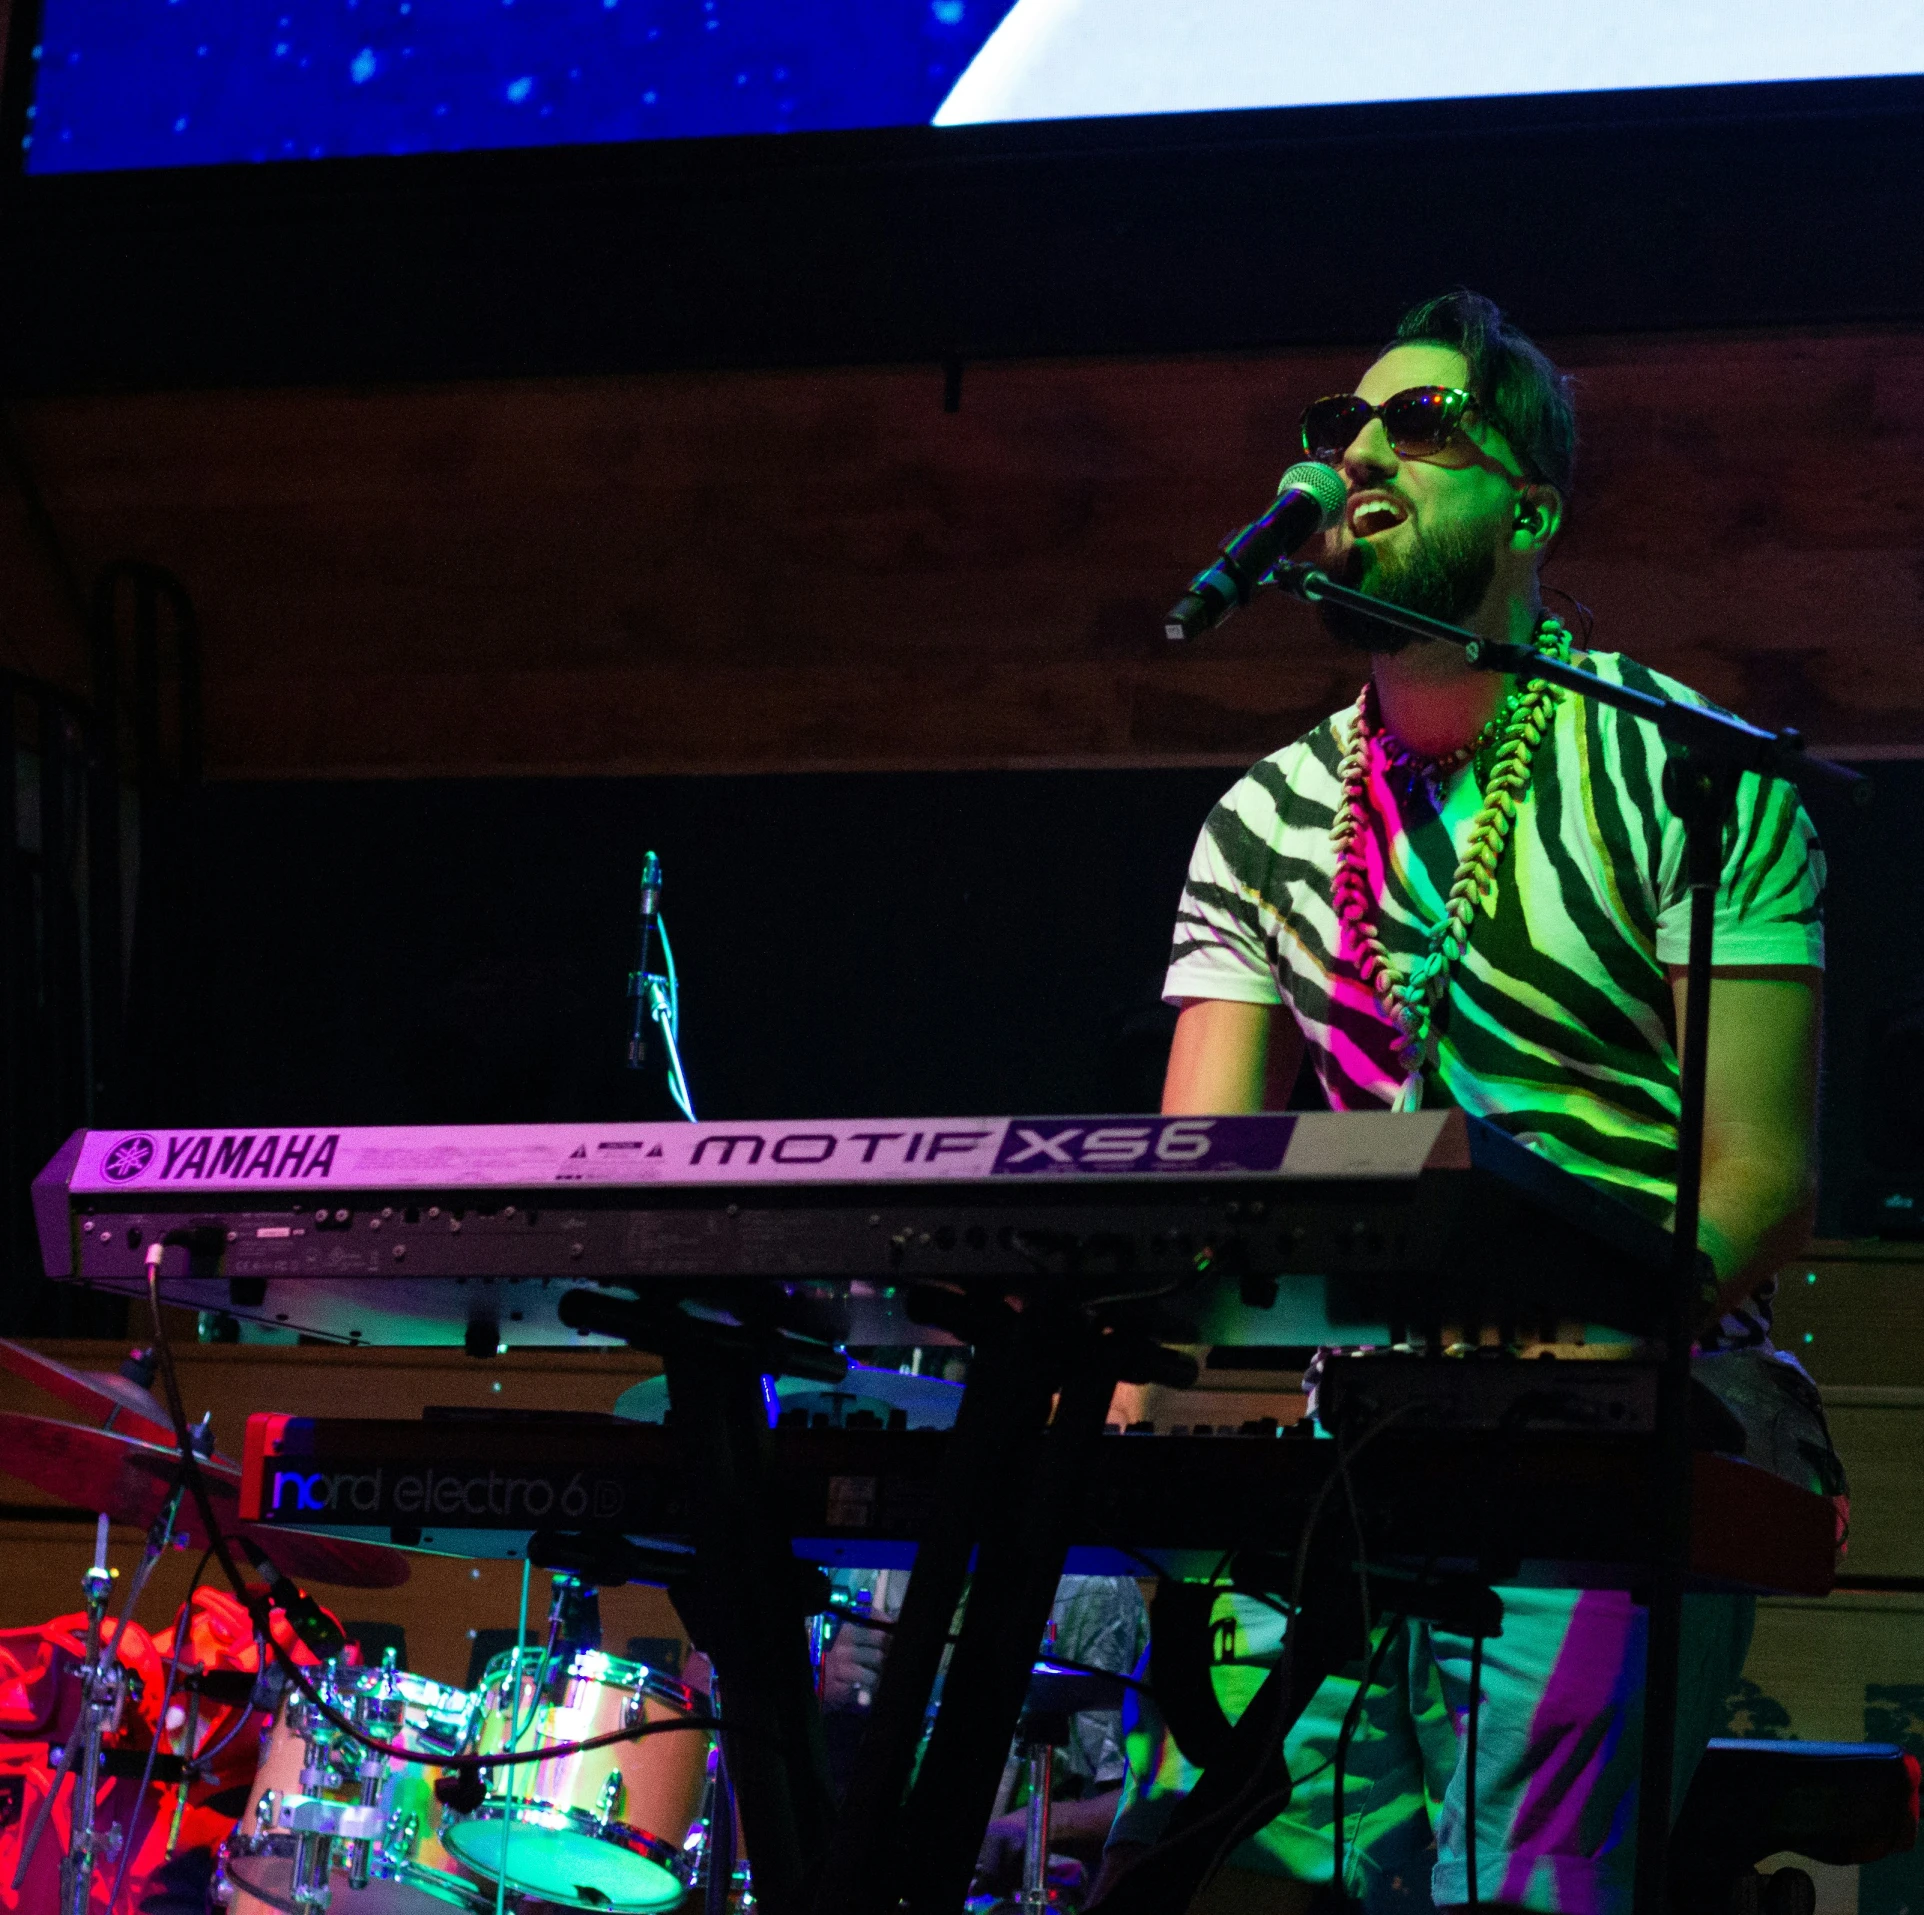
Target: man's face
1425, 533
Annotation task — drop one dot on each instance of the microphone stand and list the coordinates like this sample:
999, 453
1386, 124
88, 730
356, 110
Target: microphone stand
1710, 751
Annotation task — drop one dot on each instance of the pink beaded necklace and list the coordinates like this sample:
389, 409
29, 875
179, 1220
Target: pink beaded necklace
1409, 1002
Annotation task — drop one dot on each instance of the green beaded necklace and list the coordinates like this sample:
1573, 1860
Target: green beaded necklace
1506, 744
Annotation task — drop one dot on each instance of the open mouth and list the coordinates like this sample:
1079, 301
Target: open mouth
1371, 513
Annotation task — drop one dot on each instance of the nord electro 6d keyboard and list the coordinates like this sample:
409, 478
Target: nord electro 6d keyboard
1554, 1505
1263, 1230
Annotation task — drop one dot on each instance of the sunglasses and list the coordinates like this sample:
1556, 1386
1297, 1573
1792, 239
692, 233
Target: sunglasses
1420, 421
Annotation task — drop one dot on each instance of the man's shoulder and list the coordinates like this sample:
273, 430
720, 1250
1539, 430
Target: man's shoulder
1619, 668
1624, 735
1306, 771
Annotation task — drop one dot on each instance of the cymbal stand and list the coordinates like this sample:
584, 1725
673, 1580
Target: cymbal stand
189, 1748
102, 1692
718, 1832
100, 1699
1040, 1733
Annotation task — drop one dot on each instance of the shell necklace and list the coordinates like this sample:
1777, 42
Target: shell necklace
1409, 1001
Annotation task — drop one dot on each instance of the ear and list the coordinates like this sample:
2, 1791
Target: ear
1539, 517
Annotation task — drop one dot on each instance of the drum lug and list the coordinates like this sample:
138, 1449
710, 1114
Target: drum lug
266, 1810
609, 1811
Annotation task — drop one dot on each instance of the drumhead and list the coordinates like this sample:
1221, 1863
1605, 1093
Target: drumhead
565, 1865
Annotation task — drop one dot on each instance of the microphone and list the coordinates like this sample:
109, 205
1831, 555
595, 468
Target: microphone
309, 1621
1309, 500
638, 977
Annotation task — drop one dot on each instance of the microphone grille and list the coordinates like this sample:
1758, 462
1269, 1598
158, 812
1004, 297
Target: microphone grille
1323, 483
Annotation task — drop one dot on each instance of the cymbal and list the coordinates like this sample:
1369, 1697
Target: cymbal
930, 1401
128, 1481
105, 1393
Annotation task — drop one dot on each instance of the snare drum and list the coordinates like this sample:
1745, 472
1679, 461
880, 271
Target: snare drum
409, 1872
600, 1830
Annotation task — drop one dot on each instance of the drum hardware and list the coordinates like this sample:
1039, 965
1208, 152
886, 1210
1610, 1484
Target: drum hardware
717, 1858
103, 1695
357, 1821
1055, 1694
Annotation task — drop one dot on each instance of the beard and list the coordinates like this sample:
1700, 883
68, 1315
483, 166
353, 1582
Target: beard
1444, 575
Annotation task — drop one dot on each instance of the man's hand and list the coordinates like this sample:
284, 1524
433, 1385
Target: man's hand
999, 1863
852, 1669
1760, 1112
1078, 1827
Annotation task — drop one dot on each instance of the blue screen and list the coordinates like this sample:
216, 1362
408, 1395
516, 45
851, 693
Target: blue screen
140, 83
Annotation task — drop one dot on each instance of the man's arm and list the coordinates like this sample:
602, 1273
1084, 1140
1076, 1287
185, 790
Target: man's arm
1760, 1114
1076, 1827
1226, 1056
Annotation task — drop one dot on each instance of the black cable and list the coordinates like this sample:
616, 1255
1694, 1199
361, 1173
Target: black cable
1362, 1543
131, 1842
1352, 1716
1469, 1771
242, 1716
1251, 1796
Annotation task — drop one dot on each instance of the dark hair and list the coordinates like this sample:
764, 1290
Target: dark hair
1519, 391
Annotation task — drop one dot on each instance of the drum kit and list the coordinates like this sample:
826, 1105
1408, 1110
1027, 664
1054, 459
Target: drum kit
382, 1792
333, 1823
404, 1816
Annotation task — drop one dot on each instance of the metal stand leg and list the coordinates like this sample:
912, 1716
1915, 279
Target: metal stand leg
99, 1705
1004, 1406
1702, 797
744, 1606
718, 1849
1040, 1758
1018, 1568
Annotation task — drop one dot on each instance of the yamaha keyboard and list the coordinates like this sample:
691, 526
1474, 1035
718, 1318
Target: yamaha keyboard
1279, 1229
1558, 1505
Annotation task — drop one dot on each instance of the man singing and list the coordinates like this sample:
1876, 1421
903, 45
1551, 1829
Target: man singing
1469, 890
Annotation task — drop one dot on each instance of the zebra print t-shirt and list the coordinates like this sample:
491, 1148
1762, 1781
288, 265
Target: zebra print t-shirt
1558, 1025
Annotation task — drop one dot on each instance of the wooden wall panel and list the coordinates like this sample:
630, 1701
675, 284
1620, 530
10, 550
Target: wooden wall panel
811, 569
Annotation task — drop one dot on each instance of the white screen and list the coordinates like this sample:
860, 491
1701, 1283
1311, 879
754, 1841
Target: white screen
1070, 59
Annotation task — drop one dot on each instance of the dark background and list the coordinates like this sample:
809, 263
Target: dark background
869, 944
1766, 205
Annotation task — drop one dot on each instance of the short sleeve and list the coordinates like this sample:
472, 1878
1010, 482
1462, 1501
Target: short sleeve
1770, 903
1219, 949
